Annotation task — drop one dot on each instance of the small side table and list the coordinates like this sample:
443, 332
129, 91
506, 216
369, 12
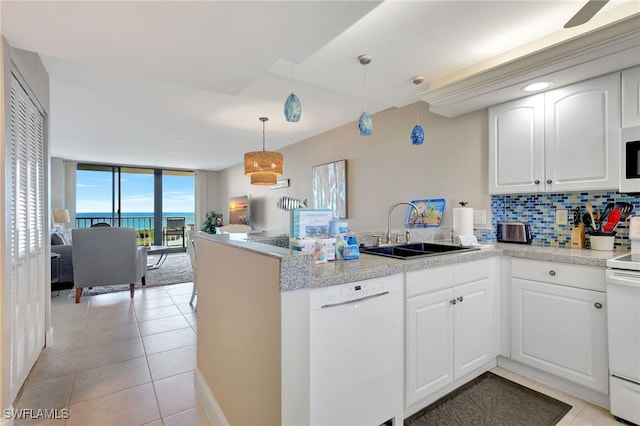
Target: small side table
55, 269
163, 250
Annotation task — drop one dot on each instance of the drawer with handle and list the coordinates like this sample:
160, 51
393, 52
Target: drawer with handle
579, 276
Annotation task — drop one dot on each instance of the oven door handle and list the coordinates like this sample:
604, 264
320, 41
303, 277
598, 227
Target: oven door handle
626, 278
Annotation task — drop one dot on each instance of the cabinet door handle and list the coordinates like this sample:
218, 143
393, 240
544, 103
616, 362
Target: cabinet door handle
452, 301
549, 181
552, 273
460, 299
598, 305
537, 181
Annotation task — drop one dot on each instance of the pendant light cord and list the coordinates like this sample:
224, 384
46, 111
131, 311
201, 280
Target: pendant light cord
263, 121
292, 77
417, 80
364, 88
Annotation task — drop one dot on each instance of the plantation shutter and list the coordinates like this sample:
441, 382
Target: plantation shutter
27, 244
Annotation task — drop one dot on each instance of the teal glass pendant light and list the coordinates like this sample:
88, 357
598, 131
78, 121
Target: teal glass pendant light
292, 106
417, 133
365, 125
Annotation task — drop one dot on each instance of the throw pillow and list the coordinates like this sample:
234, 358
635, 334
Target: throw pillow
57, 239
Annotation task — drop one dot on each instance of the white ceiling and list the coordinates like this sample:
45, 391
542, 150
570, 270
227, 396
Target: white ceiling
180, 84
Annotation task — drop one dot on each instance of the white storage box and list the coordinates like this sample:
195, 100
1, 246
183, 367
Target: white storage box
306, 245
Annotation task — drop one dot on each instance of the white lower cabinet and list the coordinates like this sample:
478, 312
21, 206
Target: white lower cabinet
429, 344
558, 327
450, 324
472, 326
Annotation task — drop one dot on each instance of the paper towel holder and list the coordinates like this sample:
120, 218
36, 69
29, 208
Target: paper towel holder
463, 220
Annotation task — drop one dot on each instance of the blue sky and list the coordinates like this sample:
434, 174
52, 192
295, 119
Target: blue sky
94, 192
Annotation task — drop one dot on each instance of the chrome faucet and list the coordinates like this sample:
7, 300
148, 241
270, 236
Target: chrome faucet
389, 217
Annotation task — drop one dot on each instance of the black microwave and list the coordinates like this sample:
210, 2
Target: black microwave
630, 160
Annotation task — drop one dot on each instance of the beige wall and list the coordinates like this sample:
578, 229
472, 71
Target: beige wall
382, 168
63, 186
239, 332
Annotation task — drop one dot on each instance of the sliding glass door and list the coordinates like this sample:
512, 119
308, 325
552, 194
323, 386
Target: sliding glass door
97, 195
140, 198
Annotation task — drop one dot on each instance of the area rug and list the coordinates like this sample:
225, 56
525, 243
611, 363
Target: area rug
491, 400
176, 269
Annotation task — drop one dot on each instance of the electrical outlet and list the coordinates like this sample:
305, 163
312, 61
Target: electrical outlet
479, 217
561, 217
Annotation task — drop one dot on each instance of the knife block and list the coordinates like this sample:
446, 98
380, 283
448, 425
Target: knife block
578, 239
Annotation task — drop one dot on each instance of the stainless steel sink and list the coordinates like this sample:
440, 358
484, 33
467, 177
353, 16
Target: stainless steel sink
415, 250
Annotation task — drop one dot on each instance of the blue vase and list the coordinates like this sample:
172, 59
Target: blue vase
292, 108
417, 135
365, 125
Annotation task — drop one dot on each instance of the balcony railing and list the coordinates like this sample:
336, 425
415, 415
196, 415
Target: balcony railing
142, 224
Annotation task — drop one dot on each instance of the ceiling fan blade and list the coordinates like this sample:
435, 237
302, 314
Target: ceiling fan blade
587, 12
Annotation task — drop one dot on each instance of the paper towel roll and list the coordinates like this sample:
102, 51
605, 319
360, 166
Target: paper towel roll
463, 221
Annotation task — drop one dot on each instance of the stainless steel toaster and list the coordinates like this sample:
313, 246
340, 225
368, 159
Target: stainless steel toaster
514, 232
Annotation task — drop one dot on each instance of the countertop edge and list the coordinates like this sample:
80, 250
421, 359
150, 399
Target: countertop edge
299, 271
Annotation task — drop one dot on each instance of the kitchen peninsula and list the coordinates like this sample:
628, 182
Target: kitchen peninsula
254, 326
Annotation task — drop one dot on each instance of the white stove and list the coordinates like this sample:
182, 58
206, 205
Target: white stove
627, 262
623, 324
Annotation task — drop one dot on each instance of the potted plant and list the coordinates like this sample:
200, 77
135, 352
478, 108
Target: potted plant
213, 221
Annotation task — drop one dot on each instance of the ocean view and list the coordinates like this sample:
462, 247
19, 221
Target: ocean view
137, 220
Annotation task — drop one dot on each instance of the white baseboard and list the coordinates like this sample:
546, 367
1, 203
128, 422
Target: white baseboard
209, 403
555, 382
48, 337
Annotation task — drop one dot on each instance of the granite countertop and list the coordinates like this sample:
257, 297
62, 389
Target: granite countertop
373, 266
560, 254
299, 270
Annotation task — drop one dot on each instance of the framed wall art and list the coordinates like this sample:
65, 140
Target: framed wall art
329, 187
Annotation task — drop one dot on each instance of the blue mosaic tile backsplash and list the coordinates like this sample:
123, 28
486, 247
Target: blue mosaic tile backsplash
539, 210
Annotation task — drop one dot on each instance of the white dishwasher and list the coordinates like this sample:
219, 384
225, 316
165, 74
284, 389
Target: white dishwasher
356, 353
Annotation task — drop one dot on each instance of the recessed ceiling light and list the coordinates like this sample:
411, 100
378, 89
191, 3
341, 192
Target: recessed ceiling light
534, 87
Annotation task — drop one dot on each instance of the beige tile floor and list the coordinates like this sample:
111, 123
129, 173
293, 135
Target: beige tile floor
124, 362
117, 361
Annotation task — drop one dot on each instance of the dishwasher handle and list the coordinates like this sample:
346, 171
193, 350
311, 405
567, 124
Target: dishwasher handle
348, 302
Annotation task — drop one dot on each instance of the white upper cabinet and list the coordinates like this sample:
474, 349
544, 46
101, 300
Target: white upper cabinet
582, 135
562, 140
516, 146
631, 97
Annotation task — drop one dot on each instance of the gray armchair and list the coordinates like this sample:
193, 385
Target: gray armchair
107, 256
